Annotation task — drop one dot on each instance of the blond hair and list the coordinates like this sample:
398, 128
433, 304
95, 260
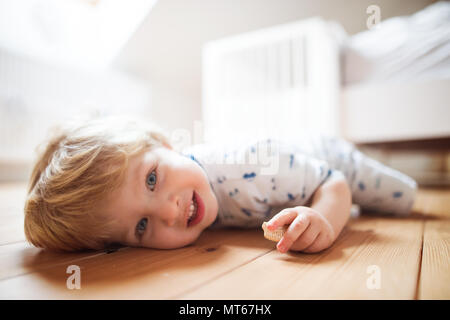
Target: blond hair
81, 165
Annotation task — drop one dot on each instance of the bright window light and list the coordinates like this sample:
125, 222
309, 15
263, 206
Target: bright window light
82, 33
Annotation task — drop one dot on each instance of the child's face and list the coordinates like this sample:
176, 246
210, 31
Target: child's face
152, 206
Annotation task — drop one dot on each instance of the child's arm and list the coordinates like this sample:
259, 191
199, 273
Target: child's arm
334, 200
315, 228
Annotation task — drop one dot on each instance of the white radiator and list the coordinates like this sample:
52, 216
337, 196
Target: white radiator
277, 82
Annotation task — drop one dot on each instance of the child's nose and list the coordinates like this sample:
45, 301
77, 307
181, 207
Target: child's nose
173, 212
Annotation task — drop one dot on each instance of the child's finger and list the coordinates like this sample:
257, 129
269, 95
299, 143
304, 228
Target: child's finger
319, 244
294, 231
306, 239
285, 216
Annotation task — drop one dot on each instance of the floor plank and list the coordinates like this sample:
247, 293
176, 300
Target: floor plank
138, 273
337, 273
21, 258
435, 271
412, 255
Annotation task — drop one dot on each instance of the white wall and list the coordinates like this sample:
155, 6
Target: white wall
166, 49
34, 96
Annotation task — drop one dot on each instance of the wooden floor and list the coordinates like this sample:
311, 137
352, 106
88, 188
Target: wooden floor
374, 258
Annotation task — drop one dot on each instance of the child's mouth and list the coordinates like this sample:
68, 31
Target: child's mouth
196, 210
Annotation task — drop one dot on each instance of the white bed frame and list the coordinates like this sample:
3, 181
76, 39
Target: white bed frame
396, 112
286, 79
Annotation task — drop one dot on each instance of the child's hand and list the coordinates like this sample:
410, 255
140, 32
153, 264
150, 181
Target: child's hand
308, 231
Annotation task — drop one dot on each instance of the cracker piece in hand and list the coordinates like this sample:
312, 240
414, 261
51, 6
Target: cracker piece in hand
274, 235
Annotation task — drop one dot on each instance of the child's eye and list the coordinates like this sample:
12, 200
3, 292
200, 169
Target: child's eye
151, 180
141, 226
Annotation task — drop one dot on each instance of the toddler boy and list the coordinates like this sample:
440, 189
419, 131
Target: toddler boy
119, 180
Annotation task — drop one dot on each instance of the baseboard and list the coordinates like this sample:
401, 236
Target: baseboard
15, 170
428, 167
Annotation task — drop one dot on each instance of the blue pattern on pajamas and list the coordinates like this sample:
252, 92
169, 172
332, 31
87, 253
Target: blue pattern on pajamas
253, 181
